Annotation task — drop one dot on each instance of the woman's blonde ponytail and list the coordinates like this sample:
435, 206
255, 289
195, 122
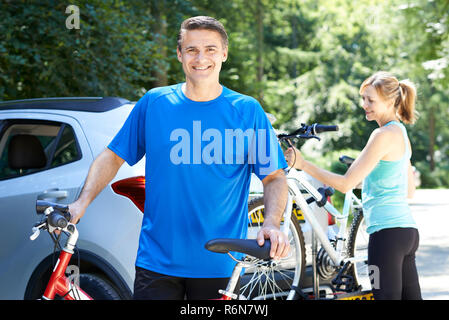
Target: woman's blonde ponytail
406, 104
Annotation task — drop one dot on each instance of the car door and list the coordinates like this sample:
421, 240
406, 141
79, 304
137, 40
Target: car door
42, 156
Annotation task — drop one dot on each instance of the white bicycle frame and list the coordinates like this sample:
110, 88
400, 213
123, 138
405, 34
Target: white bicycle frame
296, 183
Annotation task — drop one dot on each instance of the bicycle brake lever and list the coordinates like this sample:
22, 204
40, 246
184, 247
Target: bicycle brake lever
36, 229
307, 136
36, 233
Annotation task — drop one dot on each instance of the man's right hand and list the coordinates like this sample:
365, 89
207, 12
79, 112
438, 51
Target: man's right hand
76, 211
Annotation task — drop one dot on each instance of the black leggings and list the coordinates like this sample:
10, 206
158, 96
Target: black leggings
150, 285
391, 258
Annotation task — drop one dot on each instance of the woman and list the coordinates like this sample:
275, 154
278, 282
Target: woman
385, 169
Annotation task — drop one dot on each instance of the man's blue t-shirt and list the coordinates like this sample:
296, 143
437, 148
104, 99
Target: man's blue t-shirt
199, 160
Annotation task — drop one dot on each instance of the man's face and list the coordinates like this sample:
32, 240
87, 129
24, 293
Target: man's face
202, 53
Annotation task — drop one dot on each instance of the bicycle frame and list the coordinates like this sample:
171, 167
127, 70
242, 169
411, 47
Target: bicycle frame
229, 294
59, 284
296, 183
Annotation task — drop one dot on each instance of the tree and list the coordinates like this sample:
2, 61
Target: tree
304, 60
110, 54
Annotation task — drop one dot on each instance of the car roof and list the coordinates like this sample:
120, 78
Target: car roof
88, 104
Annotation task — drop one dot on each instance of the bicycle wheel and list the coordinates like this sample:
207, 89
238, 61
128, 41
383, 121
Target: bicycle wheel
358, 247
98, 288
273, 279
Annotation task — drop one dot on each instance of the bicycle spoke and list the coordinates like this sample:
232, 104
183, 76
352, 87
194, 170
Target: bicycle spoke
260, 285
269, 279
272, 282
265, 285
285, 276
266, 282
252, 282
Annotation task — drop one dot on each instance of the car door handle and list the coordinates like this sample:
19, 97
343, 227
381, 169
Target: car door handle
53, 194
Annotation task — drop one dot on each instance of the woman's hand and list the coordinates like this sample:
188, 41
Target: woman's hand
294, 158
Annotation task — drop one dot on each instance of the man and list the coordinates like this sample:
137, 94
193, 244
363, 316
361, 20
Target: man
202, 141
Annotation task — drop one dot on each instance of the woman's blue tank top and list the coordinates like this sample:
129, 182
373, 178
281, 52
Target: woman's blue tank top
384, 193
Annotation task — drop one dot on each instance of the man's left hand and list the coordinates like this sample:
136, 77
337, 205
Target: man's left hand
280, 245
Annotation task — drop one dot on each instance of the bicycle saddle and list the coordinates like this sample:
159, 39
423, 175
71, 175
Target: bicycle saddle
247, 246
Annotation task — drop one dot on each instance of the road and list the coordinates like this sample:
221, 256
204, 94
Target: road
431, 212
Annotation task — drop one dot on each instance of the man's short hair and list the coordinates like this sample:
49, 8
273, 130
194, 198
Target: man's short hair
203, 23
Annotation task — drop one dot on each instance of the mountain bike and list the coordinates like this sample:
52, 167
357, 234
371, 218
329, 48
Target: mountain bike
344, 257
56, 217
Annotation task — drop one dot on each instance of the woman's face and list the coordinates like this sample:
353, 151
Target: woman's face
376, 108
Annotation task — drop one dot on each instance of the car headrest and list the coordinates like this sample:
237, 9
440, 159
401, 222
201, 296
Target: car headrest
26, 152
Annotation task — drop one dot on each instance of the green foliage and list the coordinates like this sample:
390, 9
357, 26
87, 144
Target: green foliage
108, 55
438, 178
304, 60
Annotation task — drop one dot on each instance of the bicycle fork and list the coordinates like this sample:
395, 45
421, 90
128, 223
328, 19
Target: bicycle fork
59, 284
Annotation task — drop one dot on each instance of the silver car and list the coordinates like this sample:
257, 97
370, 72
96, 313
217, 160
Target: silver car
46, 149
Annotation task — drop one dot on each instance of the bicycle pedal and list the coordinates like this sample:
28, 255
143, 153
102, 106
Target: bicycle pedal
344, 283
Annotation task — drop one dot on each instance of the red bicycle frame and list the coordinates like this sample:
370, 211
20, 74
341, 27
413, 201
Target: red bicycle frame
60, 285
53, 221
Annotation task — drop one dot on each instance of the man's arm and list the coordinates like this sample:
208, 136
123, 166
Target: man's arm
275, 199
101, 172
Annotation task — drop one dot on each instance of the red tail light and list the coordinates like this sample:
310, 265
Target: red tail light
133, 188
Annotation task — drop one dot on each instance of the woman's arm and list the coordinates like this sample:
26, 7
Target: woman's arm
379, 144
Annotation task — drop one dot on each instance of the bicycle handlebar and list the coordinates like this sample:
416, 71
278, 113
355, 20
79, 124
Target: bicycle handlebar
57, 220
42, 205
307, 132
318, 128
57, 216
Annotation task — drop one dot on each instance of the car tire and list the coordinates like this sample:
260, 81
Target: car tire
97, 287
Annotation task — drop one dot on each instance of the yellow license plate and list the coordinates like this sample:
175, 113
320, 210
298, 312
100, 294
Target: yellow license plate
364, 295
257, 216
